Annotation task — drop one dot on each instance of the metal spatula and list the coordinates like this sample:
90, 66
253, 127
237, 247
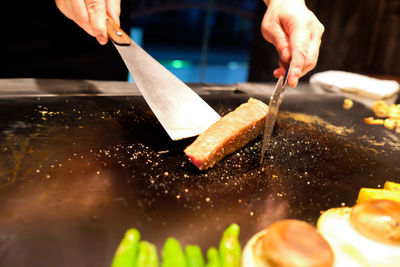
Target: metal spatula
274, 103
180, 111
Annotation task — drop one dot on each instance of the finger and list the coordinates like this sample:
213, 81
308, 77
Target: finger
299, 45
113, 8
312, 58
97, 16
298, 60
279, 72
274, 33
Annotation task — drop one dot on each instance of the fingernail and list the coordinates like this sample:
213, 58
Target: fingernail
285, 55
101, 39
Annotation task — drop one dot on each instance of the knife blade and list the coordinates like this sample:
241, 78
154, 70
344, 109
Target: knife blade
274, 103
181, 111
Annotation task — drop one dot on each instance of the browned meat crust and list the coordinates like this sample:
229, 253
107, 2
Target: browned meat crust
228, 134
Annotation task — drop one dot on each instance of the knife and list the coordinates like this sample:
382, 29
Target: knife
274, 103
181, 112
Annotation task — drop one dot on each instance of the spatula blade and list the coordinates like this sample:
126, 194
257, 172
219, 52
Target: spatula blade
179, 109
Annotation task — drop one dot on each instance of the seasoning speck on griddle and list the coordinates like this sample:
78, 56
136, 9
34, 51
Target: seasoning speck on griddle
348, 103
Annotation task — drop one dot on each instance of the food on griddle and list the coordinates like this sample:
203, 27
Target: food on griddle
366, 235
229, 247
172, 254
366, 194
392, 186
348, 103
127, 249
194, 256
288, 243
381, 109
228, 134
390, 123
133, 252
391, 190
147, 255
378, 219
391, 115
373, 121
213, 257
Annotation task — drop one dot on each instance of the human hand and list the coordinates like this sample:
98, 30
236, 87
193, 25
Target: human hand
296, 34
91, 15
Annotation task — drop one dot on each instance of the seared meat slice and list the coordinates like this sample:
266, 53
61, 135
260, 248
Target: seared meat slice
228, 134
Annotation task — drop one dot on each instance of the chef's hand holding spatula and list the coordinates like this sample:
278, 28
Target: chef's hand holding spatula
91, 15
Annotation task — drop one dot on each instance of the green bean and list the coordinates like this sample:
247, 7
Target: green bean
212, 257
172, 254
229, 247
125, 256
147, 255
194, 256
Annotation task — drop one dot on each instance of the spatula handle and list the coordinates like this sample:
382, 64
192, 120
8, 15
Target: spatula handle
116, 34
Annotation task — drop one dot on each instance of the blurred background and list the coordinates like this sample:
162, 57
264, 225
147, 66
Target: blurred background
201, 41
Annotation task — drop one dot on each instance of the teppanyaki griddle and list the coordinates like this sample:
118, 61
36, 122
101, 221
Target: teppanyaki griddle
77, 172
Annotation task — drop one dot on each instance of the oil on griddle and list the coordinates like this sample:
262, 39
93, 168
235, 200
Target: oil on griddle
105, 164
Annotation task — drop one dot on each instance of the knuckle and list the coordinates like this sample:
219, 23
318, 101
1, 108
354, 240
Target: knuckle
266, 28
301, 49
281, 45
318, 29
94, 6
270, 34
267, 35
321, 28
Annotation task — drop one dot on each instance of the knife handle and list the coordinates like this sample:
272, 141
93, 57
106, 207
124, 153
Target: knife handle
116, 34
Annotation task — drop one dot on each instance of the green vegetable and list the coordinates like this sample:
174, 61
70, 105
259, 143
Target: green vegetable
194, 257
229, 247
147, 255
125, 256
212, 257
172, 254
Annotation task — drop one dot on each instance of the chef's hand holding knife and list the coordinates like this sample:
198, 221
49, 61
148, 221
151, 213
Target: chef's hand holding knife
288, 24
296, 34
91, 15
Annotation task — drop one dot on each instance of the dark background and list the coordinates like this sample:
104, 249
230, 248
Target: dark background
38, 41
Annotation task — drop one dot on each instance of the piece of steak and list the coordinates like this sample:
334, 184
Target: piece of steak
228, 134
